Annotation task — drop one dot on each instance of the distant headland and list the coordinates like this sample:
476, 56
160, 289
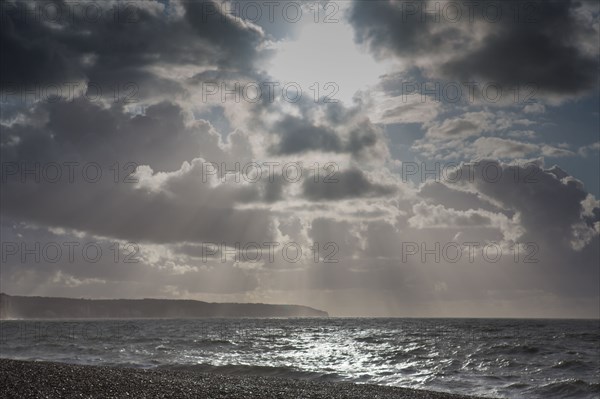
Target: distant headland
35, 307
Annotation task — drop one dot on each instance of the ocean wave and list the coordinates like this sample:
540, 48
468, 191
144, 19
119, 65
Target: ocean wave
213, 342
513, 349
556, 361
571, 365
570, 388
369, 340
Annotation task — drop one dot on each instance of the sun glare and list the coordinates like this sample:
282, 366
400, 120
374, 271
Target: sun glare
325, 58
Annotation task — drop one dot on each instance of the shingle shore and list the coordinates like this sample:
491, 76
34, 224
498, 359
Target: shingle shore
26, 379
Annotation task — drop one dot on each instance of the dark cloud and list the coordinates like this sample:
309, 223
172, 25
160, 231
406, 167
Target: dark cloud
131, 272
351, 183
549, 203
181, 205
514, 52
108, 51
169, 207
190, 211
85, 131
387, 29
519, 57
236, 42
299, 135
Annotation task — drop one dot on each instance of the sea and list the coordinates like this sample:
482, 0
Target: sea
500, 358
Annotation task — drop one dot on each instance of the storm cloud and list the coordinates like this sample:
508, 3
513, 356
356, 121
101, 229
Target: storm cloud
157, 162
512, 44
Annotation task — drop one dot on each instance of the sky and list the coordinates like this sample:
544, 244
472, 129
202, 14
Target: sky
367, 158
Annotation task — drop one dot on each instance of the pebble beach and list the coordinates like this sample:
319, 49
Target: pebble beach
29, 379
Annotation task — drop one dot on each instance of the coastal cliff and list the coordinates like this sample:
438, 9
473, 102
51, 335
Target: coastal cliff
25, 307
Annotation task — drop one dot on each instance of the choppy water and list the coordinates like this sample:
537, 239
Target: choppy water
497, 358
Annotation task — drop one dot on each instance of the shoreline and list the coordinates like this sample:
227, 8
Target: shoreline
32, 379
